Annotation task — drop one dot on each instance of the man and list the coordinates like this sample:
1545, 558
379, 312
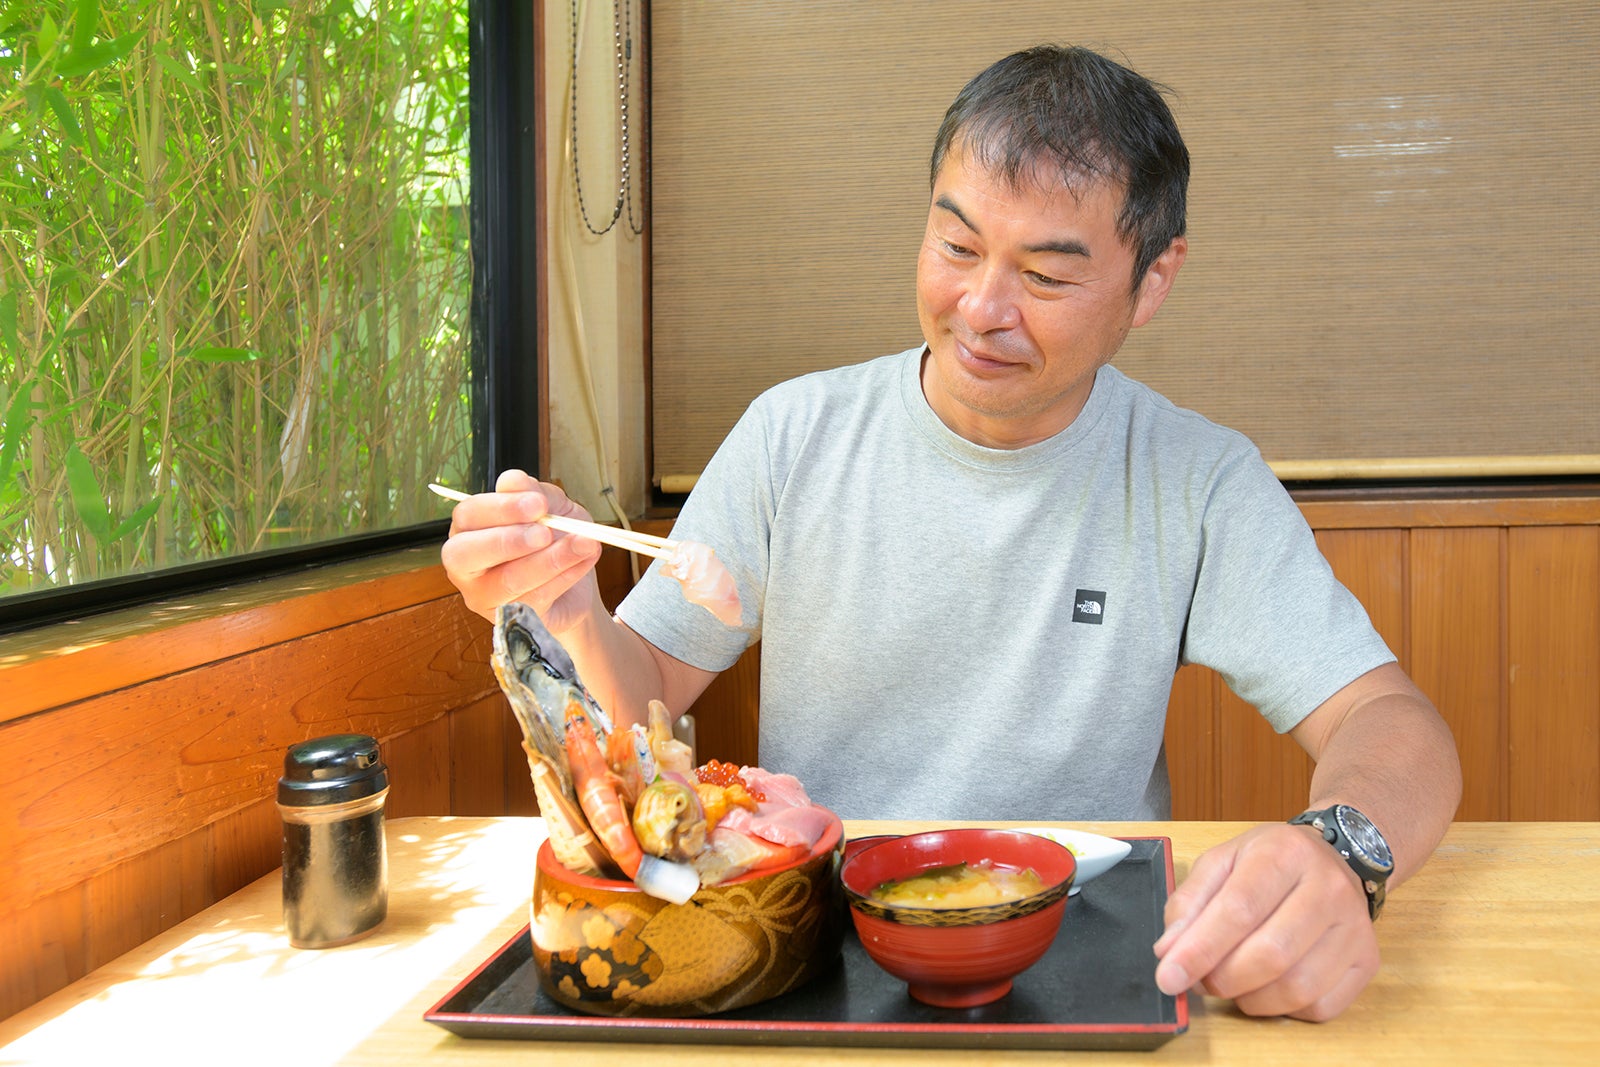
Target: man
974, 566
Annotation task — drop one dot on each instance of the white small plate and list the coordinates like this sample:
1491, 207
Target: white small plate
1095, 854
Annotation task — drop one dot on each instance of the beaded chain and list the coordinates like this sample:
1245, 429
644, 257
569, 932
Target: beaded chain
621, 20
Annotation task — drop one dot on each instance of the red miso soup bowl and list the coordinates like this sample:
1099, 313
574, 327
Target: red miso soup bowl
958, 957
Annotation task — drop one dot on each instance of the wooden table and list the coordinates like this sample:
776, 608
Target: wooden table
1491, 955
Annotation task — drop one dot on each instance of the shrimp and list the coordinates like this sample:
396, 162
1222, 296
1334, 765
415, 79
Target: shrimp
633, 765
570, 838
597, 795
608, 819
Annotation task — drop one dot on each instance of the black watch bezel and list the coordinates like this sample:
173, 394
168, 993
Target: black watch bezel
1341, 826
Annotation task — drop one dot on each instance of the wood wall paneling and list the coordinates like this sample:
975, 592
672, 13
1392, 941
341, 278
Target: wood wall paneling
1577, 505
1458, 654
130, 809
110, 777
57, 665
1261, 774
1553, 616
45, 948
520, 799
133, 901
1372, 565
477, 776
419, 762
1191, 743
243, 845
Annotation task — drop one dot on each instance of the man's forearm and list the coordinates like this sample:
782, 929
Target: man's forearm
613, 664
1393, 758
624, 672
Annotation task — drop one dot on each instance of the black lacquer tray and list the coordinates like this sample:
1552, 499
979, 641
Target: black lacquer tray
1094, 989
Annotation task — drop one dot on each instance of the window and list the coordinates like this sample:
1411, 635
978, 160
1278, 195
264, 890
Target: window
238, 279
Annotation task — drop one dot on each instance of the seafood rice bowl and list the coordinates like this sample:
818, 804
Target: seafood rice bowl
604, 947
663, 888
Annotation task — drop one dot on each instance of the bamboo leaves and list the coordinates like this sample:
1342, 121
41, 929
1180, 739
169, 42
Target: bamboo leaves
48, 36
181, 70
79, 62
222, 354
135, 522
89, 501
84, 54
85, 22
18, 409
233, 277
69, 122
17, 406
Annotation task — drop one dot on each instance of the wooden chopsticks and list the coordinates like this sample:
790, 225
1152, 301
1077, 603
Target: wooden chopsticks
632, 540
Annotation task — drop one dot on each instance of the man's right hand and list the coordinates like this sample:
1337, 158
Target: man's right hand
498, 552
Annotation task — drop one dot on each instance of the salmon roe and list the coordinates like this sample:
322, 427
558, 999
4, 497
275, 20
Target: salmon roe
725, 774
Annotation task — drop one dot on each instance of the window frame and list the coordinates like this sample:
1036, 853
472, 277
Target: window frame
503, 84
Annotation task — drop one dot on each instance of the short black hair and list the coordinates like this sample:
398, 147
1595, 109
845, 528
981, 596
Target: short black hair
1088, 117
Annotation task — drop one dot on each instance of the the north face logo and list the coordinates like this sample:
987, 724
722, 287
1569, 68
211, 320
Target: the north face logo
1089, 605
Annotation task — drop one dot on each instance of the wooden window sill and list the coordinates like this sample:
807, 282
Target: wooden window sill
68, 661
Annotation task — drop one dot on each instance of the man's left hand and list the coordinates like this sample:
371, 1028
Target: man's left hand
1274, 920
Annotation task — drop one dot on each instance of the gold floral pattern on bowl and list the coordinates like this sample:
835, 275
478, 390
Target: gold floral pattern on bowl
605, 948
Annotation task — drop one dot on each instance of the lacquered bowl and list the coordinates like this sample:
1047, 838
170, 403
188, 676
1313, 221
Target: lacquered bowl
605, 948
856, 844
958, 957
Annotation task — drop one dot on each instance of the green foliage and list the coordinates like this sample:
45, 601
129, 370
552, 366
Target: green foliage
234, 276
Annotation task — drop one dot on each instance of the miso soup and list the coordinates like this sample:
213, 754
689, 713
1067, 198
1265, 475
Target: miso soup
961, 885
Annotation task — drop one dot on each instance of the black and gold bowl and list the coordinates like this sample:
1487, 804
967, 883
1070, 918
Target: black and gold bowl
605, 947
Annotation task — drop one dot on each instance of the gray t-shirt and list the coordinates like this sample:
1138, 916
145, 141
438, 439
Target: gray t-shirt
950, 631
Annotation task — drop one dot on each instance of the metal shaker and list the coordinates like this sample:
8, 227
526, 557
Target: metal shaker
335, 864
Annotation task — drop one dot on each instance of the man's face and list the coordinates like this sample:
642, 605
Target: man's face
1023, 294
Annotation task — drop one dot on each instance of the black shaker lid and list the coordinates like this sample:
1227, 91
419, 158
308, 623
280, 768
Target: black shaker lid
332, 770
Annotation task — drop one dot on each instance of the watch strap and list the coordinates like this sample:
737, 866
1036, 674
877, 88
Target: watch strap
1374, 885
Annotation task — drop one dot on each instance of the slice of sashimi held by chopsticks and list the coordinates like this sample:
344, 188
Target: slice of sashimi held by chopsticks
694, 566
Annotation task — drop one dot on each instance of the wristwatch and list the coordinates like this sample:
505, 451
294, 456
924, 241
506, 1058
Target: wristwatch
1354, 837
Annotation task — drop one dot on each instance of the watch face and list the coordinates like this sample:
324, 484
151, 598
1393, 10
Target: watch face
1358, 829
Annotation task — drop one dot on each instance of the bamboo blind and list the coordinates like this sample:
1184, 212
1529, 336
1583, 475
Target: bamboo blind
1392, 218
